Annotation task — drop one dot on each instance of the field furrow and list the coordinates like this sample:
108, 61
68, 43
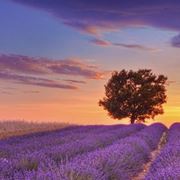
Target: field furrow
167, 163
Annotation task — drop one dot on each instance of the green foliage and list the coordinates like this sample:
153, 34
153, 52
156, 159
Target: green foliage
134, 94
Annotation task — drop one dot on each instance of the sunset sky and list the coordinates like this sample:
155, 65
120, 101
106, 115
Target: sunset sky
56, 56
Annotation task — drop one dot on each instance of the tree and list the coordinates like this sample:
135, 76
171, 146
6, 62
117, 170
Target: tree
134, 94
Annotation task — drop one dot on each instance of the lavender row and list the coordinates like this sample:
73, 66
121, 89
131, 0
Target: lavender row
167, 164
58, 153
60, 133
61, 153
13, 146
121, 160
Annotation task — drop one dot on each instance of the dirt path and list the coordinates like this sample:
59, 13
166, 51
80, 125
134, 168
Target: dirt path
153, 156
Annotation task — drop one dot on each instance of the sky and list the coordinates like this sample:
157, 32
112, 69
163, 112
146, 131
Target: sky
56, 56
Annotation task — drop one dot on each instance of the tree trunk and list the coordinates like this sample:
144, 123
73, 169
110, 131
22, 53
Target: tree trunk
133, 119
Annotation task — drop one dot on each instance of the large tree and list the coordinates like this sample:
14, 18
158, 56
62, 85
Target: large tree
134, 94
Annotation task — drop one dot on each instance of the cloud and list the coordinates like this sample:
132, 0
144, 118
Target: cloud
31, 92
67, 69
96, 16
41, 71
100, 42
9, 88
44, 66
135, 46
21, 64
28, 80
175, 42
74, 81
6, 93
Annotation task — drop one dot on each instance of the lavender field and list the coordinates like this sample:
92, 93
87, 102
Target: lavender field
115, 152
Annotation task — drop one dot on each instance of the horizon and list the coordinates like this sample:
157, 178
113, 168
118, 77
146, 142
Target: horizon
55, 58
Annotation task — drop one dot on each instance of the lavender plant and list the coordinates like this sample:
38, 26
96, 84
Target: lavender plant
167, 164
23, 160
120, 160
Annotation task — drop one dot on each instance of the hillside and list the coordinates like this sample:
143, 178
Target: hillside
94, 153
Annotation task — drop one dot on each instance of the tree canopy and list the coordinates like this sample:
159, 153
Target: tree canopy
134, 94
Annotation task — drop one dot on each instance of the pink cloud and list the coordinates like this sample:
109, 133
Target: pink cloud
41, 71
101, 42
44, 66
36, 81
104, 43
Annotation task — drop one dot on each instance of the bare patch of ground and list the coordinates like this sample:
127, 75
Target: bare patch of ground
153, 156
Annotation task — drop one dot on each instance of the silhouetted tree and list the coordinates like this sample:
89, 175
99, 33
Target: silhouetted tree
134, 94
